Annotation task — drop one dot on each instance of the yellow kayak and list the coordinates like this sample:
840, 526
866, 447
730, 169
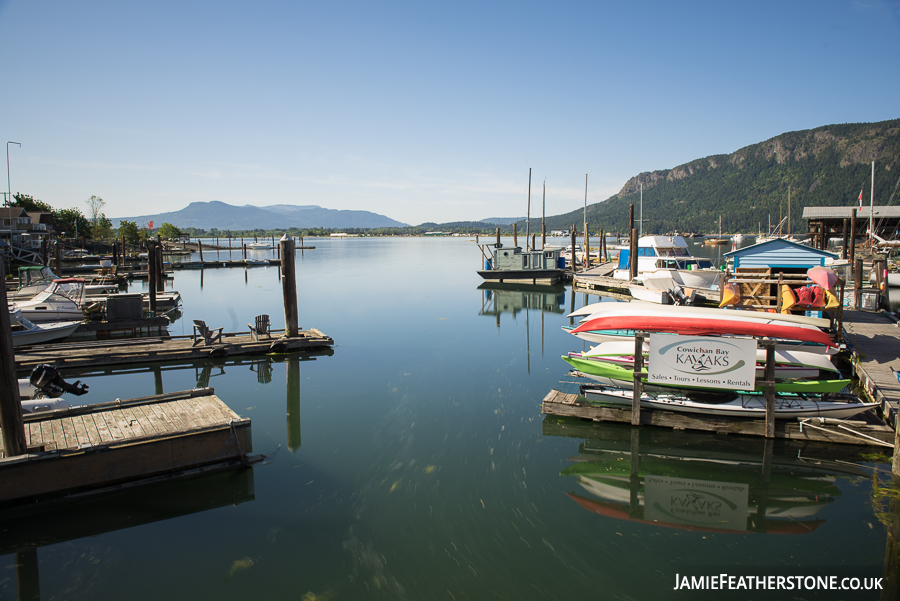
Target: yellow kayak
788, 298
731, 295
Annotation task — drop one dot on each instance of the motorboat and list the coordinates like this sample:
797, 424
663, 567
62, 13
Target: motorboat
62, 300
25, 332
665, 261
259, 246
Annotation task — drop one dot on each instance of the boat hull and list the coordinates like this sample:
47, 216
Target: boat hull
522, 275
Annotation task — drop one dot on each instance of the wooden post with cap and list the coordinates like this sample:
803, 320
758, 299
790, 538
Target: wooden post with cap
638, 388
289, 286
12, 426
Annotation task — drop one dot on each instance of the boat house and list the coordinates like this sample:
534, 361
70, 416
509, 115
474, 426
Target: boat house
512, 264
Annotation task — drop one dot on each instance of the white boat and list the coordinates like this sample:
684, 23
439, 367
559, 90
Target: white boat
62, 300
665, 261
787, 406
259, 246
649, 295
25, 332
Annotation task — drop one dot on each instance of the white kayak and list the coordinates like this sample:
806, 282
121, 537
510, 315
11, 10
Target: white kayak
787, 406
655, 309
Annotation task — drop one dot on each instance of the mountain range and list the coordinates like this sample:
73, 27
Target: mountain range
222, 216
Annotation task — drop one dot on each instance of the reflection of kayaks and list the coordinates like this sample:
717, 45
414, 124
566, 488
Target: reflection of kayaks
610, 308
623, 512
787, 406
615, 372
731, 294
699, 325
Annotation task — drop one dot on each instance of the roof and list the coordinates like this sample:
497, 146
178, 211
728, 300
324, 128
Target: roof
847, 212
777, 245
7, 212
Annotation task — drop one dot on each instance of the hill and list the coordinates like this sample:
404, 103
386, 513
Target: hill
826, 166
222, 216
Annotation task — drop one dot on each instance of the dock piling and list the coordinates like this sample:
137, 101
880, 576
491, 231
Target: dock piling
770, 389
152, 274
289, 286
638, 389
12, 426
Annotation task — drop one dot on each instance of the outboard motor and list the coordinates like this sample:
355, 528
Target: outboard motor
49, 384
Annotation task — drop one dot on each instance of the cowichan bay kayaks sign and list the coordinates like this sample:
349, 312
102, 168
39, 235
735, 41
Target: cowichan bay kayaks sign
700, 361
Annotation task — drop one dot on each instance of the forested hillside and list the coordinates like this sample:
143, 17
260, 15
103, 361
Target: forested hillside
826, 166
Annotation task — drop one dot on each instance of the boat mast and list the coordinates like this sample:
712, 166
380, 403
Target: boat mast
872, 205
641, 227
789, 213
587, 240
528, 213
543, 217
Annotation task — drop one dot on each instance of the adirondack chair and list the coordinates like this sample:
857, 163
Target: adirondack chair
205, 335
261, 328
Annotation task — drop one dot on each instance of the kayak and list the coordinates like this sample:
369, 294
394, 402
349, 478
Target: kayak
701, 325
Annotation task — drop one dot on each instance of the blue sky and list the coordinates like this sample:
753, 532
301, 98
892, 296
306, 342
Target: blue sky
420, 111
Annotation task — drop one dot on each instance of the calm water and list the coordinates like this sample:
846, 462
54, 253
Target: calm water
414, 462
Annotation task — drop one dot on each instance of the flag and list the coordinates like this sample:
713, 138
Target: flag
860, 199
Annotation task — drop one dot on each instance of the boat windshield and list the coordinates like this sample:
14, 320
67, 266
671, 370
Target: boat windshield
675, 251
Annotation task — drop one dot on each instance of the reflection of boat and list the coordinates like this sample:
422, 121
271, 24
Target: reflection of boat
511, 298
665, 261
699, 482
723, 403
26, 332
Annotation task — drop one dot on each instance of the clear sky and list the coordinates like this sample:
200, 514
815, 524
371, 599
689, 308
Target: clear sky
421, 111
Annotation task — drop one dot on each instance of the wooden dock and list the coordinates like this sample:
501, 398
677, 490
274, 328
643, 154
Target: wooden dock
109, 443
153, 350
569, 404
874, 340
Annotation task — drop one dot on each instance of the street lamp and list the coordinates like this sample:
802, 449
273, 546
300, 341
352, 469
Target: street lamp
8, 187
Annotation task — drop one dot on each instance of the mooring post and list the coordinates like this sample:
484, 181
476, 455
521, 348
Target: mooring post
160, 270
633, 258
515, 237
857, 282
200, 246
532, 241
638, 389
152, 274
498, 236
293, 404
289, 286
57, 251
852, 256
572, 247
844, 239
770, 389
12, 426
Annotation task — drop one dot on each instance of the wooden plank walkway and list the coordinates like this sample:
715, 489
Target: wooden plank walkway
875, 341
561, 403
152, 350
109, 443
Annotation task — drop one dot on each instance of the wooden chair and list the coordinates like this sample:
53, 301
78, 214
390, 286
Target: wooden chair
204, 334
261, 328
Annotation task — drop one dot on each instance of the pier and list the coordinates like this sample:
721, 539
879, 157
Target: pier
874, 340
109, 443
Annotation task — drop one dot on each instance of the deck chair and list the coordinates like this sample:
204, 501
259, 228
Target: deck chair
261, 328
206, 335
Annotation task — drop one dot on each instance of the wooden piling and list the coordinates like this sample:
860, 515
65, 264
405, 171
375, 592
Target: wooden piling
770, 389
200, 246
160, 270
152, 274
498, 237
844, 243
633, 258
12, 427
638, 387
857, 282
852, 256
289, 286
572, 247
58, 257
515, 237
532, 242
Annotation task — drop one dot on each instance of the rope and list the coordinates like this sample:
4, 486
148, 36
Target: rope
853, 433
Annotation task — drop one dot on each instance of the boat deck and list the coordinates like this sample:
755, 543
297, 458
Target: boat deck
875, 341
100, 445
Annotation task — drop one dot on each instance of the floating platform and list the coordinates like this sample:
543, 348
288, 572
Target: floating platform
81, 448
815, 429
153, 350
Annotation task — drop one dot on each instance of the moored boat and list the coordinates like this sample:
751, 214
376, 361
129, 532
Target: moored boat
26, 332
668, 262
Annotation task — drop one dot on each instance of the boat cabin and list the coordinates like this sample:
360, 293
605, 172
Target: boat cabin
515, 259
663, 252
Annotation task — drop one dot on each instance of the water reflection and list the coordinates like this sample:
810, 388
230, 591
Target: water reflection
27, 529
704, 482
499, 298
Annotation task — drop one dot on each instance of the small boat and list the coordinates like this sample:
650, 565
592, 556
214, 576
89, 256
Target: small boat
787, 406
259, 246
256, 262
26, 332
62, 300
738, 237
667, 261
649, 295
33, 280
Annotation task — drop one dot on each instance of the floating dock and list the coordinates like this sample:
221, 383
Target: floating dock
558, 402
153, 350
874, 339
92, 446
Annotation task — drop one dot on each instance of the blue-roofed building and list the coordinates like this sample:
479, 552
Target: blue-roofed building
778, 255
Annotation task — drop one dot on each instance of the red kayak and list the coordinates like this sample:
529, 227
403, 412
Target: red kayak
691, 326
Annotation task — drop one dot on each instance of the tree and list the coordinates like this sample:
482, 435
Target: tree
167, 231
72, 223
129, 229
32, 205
103, 227
95, 204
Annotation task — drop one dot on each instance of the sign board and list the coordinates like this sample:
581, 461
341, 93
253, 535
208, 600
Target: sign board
702, 362
700, 503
